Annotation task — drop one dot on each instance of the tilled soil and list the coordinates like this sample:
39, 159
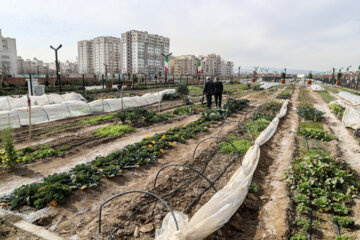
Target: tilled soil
78, 218
82, 209
33, 172
257, 217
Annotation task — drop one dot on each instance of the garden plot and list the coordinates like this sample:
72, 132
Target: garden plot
168, 180
137, 184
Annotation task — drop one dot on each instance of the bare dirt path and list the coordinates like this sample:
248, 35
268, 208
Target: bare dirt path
36, 171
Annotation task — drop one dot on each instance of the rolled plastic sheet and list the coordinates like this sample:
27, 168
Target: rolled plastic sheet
222, 206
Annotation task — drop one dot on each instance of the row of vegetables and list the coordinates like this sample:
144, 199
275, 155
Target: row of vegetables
318, 182
11, 156
54, 189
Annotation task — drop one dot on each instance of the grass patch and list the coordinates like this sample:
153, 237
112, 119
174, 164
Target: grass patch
304, 96
311, 125
113, 131
241, 145
285, 94
327, 97
99, 118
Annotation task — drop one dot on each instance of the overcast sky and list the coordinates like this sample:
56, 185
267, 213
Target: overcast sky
306, 34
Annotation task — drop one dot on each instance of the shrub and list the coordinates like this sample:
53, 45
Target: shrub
182, 90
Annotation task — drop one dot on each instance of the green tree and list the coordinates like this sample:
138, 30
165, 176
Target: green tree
310, 75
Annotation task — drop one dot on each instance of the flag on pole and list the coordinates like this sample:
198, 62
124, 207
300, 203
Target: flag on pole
199, 67
166, 64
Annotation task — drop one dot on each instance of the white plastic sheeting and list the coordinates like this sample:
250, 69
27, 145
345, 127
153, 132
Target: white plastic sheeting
317, 87
11, 103
54, 107
354, 99
220, 208
351, 117
267, 85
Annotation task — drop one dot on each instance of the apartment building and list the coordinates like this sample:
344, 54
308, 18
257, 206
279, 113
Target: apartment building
27, 66
8, 55
141, 52
213, 64
94, 54
184, 65
227, 68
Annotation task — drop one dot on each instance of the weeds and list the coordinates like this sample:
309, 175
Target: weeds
113, 131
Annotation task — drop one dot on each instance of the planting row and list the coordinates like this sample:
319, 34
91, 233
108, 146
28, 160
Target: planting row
55, 188
139, 117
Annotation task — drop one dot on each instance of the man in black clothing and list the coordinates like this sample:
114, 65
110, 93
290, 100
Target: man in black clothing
218, 92
209, 90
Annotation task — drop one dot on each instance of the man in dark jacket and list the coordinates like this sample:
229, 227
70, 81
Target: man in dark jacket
209, 90
218, 92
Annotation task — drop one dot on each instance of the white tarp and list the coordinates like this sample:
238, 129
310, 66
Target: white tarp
220, 208
267, 85
317, 87
354, 99
351, 117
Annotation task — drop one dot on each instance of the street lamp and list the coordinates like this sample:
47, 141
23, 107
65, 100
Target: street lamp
166, 64
57, 65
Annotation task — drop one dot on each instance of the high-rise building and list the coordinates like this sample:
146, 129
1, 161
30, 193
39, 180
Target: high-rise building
141, 52
227, 68
94, 54
8, 55
184, 65
213, 64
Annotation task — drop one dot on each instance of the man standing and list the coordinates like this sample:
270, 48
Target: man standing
209, 90
218, 92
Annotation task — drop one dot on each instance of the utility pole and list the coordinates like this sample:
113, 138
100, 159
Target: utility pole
38, 71
166, 67
106, 66
239, 72
57, 65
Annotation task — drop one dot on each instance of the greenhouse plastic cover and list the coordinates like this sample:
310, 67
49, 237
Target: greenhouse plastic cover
10, 103
317, 87
354, 99
220, 208
14, 111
